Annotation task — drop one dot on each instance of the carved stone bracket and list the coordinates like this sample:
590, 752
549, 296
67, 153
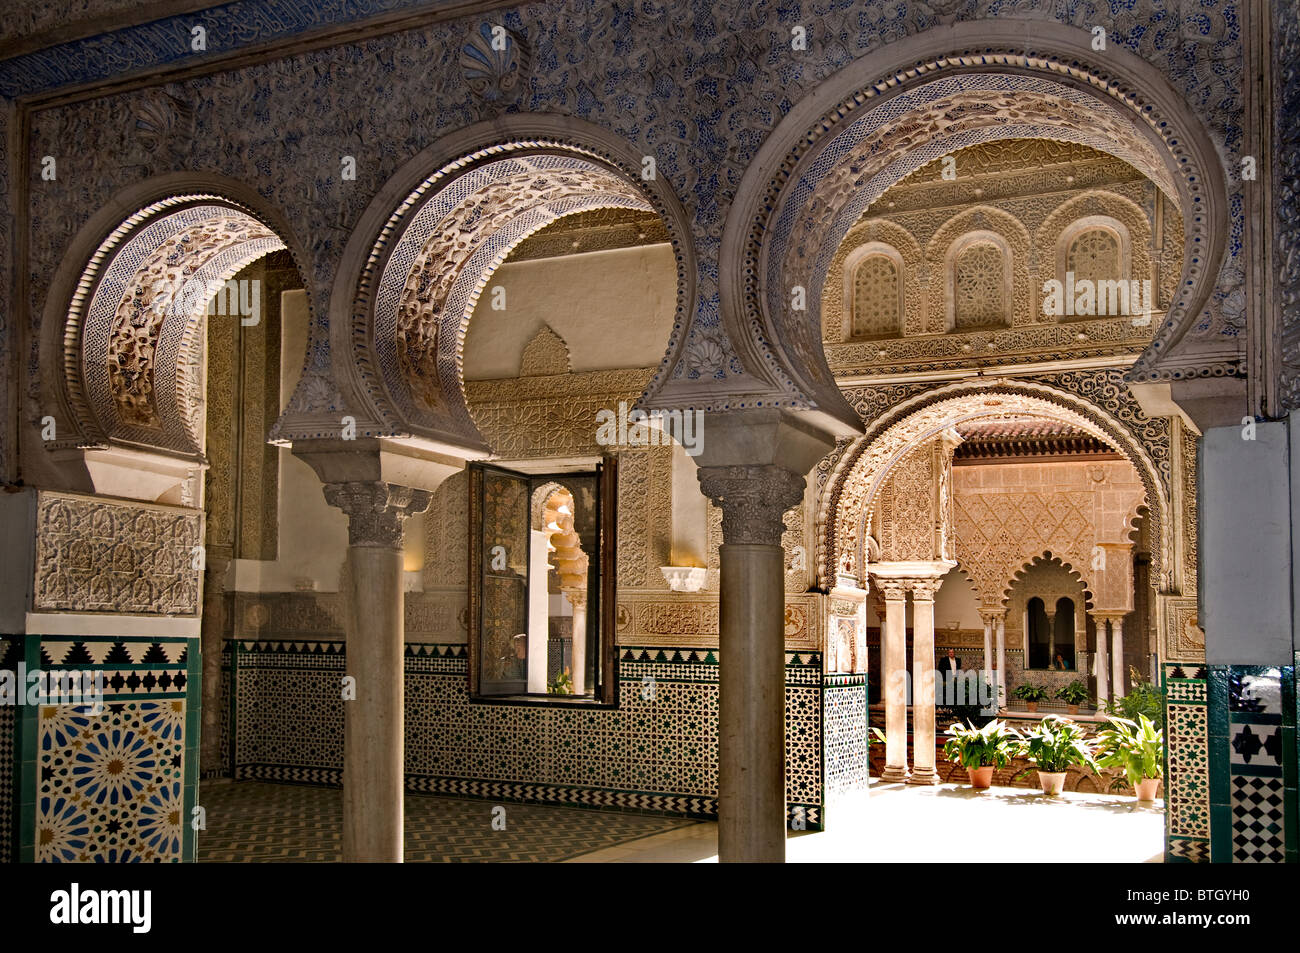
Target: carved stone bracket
376, 510
753, 500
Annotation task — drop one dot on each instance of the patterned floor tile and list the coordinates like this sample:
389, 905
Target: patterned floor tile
257, 822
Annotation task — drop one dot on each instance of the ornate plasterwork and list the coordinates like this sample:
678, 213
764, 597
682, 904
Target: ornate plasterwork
435, 256
1007, 515
969, 231
95, 555
813, 198
1099, 209
904, 415
545, 354
134, 331
868, 237
1286, 193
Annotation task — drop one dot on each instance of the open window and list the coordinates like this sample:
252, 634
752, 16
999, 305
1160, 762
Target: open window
542, 585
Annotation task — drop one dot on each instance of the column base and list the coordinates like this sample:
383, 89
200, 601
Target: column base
894, 774
924, 776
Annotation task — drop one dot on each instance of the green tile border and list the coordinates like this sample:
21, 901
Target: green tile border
1220, 781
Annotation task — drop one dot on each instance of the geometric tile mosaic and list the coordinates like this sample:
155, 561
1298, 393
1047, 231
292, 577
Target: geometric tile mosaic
1257, 820
111, 783
251, 821
1187, 775
656, 751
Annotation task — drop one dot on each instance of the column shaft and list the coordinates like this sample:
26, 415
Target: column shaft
751, 709
893, 643
373, 722
1103, 681
1002, 661
923, 770
1117, 658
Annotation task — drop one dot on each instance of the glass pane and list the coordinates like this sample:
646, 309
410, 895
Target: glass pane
564, 592
503, 642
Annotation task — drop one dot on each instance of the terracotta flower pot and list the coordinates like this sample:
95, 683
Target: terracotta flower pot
981, 778
1072, 709
1031, 706
1146, 789
1052, 782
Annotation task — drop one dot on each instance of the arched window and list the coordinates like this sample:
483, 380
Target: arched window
1094, 255
980, 278
1040, 638
873, 292
1063, 635
875, 297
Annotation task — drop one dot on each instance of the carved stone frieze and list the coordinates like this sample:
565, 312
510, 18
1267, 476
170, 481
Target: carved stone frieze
96, 555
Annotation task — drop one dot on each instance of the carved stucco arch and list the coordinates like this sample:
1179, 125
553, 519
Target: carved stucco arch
1020, 587
894, 110
837, 304
425, 250
846, 500
122, 319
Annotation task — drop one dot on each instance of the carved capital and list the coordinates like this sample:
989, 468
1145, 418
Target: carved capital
923, 590
376, 510
891, 590
753, 500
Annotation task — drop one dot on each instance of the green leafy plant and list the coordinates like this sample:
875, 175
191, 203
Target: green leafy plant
1145, 698
1056, 744
993, 745
1030, 693
1076, 693
965, 702
875, 735
562, 684
1137, 748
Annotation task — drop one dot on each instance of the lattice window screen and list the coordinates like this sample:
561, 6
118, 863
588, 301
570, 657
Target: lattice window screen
1094, 255
875, 297
980, 290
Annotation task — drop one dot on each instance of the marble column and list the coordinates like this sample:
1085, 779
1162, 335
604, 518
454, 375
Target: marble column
1117, 680
1101, 663
1051, 639
373, 719
1002, 660
751, 670
923, 770
988, 648
893, 678
578, 664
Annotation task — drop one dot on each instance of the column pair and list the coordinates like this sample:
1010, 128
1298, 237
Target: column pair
995, 628
893, 594
1112, 681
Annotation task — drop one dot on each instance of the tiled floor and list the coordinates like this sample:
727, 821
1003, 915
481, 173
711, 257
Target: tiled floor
253, 821
944, 824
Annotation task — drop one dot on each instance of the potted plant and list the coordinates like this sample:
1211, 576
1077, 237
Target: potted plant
1031, 695
1074, 695
1053, 746
1144, 698
1137, 748
980, 750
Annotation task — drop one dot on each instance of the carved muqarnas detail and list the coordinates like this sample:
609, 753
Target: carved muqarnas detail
98, 556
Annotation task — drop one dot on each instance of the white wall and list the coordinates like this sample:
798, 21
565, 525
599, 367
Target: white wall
1245, 570
614, 309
